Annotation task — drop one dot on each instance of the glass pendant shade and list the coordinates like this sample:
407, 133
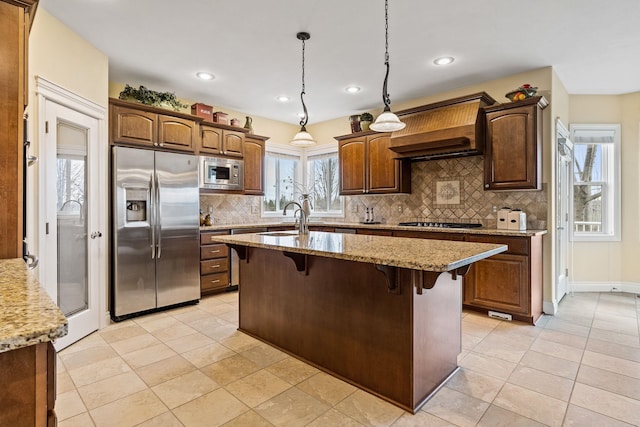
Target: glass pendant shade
303, 139
387, 122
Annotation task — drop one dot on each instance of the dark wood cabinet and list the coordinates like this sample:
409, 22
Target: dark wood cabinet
510, 282
254, 153
145, 126
367, 166
429, 235
28, 392
214, 263
15, 19
176, 133
223, 142
513, 150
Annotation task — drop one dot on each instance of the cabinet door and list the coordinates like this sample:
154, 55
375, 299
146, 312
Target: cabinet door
254, 152
131, 126
176, 133
351, 159
210, 140
12, 34
233, 143
382, 170
499, 283
513, 148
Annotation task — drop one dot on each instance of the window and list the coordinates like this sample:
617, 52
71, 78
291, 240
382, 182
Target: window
596, 182
323, 183
289, 173
281, 172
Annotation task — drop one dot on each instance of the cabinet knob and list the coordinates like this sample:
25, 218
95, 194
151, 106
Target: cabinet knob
155, 144
486, 186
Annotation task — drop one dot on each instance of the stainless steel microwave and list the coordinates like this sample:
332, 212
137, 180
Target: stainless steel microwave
219, 173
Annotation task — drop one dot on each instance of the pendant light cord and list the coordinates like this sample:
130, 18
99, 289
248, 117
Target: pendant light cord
305, 118
385, 95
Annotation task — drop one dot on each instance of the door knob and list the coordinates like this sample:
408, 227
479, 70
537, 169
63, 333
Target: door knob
96, 234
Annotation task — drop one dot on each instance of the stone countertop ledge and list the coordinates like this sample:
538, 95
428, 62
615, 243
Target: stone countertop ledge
415, 254
28, 316
479, 230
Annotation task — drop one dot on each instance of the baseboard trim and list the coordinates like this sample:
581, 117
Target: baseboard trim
632, 288
551, 307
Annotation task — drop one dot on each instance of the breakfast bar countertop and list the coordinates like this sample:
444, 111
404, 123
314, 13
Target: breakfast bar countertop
477, 231
28, 314
415, 254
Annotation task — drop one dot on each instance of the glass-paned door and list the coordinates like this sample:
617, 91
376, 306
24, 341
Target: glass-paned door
71, 187
73, 258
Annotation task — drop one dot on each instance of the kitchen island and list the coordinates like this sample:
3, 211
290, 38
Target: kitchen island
29, 321
383, 313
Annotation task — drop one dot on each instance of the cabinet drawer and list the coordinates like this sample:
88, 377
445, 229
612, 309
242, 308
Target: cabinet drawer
214, 281
217, 265
517, 245
210, 237
218, 250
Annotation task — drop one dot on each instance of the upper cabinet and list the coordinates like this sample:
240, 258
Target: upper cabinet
513, 151
254, 153
140, 125
367, 166
220, 141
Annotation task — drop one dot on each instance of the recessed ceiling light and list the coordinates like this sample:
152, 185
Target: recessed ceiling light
283, 98
205, 76
352, 89
443, 60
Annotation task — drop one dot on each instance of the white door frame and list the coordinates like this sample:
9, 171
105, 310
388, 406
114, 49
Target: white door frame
48, 91
563, 223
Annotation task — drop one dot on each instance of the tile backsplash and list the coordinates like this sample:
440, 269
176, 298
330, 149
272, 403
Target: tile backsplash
441, 190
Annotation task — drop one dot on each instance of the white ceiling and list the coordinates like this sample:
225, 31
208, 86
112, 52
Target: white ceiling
251, 47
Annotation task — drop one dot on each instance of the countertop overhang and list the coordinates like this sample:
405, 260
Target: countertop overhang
477, 231
403, 252
28, 314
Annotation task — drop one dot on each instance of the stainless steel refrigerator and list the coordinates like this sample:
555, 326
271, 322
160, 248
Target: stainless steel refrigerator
155, 230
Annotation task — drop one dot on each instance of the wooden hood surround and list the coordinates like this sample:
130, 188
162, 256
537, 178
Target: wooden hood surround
450, 128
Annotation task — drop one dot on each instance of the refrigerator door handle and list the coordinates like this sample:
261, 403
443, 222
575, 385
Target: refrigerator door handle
158, 218
152, 219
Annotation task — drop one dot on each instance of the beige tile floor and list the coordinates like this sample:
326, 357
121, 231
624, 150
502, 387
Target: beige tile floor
191, 367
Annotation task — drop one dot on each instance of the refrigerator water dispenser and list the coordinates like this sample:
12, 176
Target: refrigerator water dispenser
136, 202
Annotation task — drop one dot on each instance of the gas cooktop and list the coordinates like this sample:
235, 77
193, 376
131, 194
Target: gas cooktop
441, 224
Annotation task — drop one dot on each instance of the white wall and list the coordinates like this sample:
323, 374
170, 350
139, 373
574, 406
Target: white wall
600, 265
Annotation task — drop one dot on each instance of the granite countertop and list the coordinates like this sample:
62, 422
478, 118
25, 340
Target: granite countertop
479, 230
416, 254
28, 315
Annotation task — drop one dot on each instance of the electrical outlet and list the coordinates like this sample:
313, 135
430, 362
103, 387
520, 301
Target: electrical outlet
210, 210
494, 209
399, 208
354, 208
254, 209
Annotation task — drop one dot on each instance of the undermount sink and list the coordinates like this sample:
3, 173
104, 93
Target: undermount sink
280, 233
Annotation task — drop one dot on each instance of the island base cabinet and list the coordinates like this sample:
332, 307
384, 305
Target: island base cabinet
341, 317
510, 282
27, 395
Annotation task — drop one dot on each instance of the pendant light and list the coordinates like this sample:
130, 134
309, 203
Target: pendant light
303, 138
387, 121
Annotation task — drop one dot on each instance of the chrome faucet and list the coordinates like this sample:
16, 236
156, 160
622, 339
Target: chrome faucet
303, 226
79, 204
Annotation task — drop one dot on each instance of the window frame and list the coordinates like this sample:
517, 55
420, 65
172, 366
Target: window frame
318, 151
287, 151
301, 176
611, 185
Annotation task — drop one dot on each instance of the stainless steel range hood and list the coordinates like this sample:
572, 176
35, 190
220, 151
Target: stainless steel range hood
450, 128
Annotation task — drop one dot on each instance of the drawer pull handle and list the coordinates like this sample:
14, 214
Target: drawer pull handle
215, 252
215, 281
215, 266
